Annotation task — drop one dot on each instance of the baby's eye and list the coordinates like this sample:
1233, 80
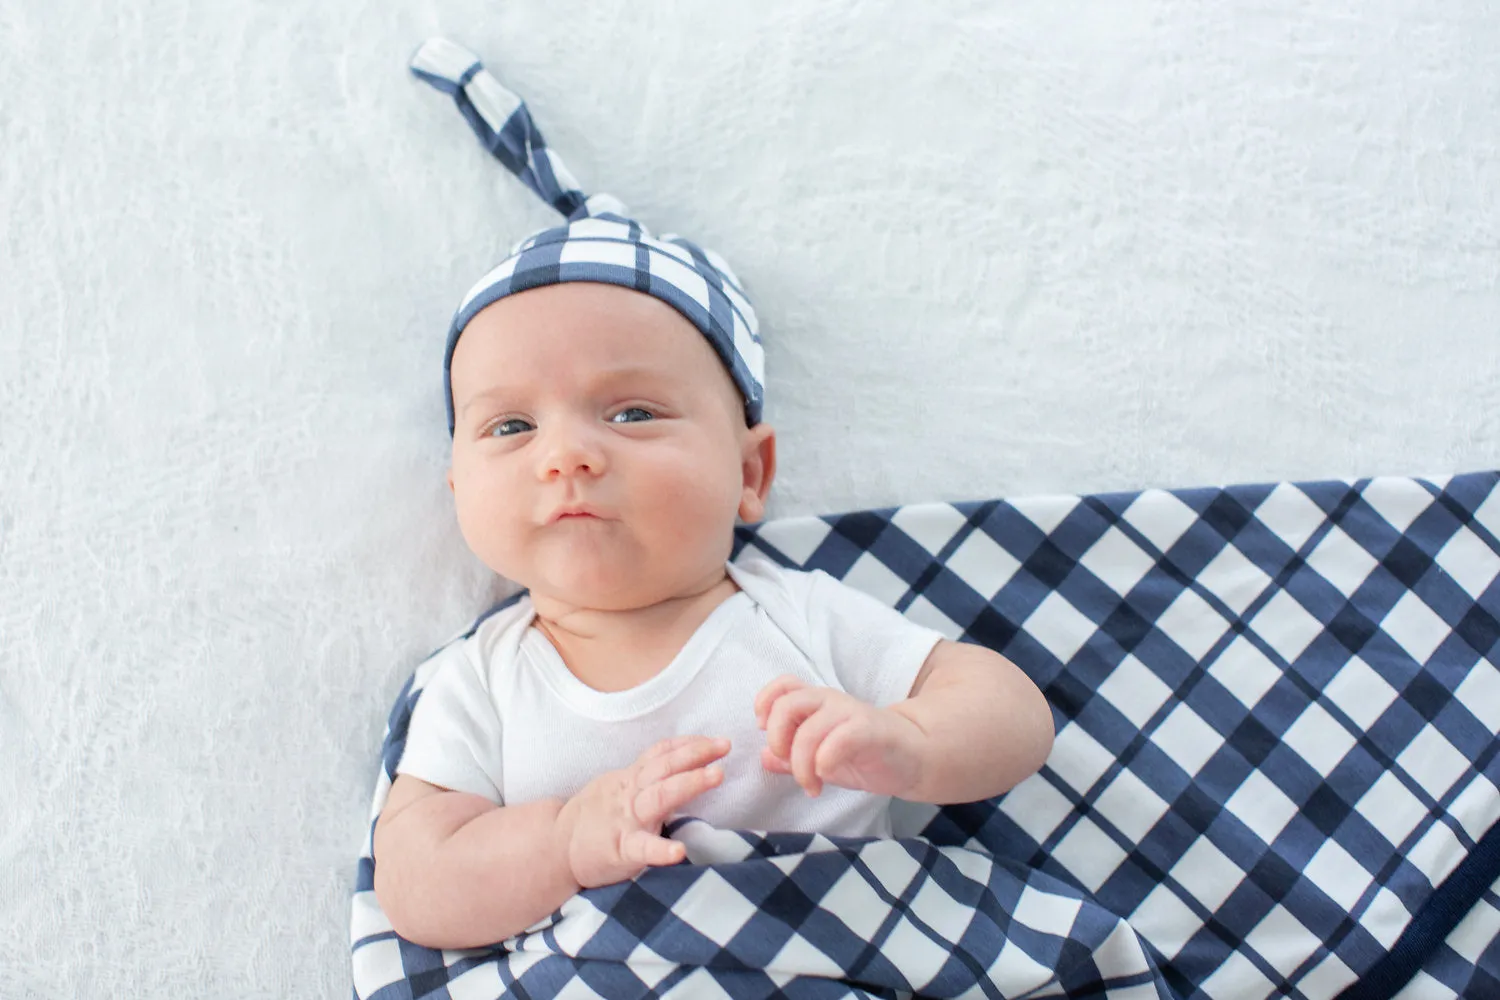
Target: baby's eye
631, 415
509, 426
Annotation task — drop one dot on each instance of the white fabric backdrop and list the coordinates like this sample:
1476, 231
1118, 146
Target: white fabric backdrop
998, 249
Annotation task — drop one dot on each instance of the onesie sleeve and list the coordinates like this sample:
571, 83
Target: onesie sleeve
454, 737
873, 650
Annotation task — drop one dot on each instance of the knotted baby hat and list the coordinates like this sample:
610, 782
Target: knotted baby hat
598, 242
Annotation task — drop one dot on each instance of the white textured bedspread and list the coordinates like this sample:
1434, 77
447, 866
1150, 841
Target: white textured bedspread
997, 250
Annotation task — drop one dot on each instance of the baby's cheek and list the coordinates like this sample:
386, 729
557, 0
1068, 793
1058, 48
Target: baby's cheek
697, 513
707, 488
486, 516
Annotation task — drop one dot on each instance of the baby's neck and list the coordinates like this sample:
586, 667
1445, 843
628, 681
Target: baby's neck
619, 650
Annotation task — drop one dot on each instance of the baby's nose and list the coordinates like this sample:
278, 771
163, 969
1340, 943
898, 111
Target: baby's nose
572, 452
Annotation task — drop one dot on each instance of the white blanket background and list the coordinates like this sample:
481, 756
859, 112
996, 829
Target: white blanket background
997, 249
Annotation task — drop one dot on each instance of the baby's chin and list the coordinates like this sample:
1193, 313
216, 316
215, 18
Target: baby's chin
598, 588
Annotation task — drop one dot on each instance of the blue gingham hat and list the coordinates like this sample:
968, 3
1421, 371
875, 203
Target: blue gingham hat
599, 242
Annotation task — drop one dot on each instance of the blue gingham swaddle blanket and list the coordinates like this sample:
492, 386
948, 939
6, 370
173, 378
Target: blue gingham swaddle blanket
1275, 774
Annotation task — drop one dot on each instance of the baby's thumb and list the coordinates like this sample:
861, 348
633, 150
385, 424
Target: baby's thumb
641, 847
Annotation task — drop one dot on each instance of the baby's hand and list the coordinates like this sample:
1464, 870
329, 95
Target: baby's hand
818, 734
612, 828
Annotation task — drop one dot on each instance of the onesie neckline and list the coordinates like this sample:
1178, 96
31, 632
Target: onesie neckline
617, 706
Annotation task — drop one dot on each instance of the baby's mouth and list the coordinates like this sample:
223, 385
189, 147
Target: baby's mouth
575, 512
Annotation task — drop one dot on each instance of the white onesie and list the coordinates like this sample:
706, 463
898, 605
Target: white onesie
503, 717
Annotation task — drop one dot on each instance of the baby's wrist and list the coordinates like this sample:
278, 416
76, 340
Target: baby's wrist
564, 826
912, 743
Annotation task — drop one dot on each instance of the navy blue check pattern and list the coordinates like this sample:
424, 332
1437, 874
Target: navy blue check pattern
1277, 765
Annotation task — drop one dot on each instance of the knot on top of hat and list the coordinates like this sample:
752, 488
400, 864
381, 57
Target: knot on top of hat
504, 126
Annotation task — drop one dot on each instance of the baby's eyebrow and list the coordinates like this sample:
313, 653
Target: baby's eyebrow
496, 392
630, 372
603, 379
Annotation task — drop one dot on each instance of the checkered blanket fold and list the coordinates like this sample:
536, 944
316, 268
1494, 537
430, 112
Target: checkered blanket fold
1275, 774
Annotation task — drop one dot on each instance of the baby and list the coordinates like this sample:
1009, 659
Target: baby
604, 395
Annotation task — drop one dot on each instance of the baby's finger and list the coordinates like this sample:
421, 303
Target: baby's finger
695, 753
655, 803
767, 695
641, 847
787, 714
664, 747
773, 763
810, 736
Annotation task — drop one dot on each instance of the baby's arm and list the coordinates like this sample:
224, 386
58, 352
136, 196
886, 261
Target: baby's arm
454, 870
985, 726
973, 726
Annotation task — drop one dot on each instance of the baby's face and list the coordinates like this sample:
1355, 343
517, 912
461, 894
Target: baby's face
600, 454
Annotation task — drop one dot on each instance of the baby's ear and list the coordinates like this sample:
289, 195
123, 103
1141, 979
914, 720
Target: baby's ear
758, 465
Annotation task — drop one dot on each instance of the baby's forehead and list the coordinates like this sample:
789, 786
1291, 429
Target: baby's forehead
602, 324
529, 365
610, 362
